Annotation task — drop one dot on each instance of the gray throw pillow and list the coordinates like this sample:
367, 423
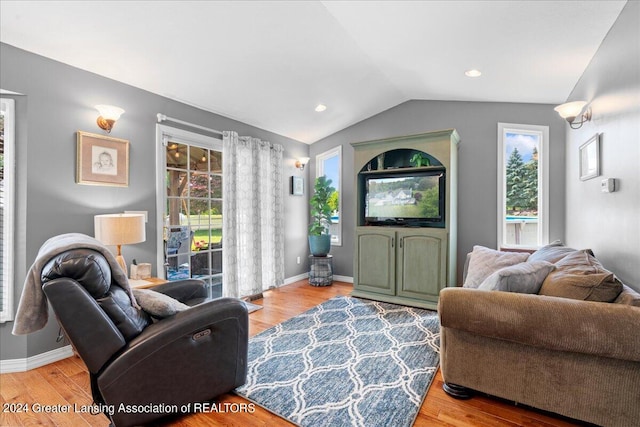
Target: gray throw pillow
524, 278
157, 304
485, 261
553, 252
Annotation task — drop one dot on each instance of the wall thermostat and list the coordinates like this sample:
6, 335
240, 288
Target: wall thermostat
608, 185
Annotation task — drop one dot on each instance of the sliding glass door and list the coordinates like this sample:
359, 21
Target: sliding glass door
192, 207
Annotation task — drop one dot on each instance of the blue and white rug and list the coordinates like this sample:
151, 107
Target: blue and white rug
346, 362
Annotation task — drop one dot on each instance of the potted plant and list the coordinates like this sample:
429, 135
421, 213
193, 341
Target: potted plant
319, 237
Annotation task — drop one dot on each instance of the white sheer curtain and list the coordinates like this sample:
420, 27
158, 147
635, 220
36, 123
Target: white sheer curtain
252, 230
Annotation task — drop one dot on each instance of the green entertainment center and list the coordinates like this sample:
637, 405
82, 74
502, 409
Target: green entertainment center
406, 226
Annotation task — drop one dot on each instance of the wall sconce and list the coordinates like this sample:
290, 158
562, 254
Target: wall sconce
302, 162
108, 116
570, 110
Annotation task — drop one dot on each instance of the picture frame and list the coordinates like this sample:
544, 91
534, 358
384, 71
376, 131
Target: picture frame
590, 158
297, 185
102, 160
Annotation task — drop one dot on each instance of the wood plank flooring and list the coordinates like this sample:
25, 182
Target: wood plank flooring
66, 383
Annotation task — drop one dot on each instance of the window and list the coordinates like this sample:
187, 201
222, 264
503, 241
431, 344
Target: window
523, 196
190, 194
329, 163
7, 179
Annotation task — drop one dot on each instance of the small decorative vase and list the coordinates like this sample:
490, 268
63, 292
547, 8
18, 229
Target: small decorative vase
320, 245
380, 162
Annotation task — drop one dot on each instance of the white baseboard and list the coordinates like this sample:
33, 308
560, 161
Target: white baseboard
21, 365
297, 278
346, 279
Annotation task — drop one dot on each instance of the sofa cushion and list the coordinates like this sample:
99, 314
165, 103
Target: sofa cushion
580, 276
157, 304
524, 278
553, 252
484, 262
628, 296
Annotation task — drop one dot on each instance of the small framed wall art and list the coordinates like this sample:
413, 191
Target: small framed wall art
102, 160
590, 158
297, 185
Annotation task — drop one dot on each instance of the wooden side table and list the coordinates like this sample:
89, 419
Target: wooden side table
151, 282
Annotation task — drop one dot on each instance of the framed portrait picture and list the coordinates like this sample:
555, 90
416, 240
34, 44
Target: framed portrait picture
297, 185
590, 158
102, 160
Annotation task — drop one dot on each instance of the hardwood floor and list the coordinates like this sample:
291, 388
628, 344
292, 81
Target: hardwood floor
66, 383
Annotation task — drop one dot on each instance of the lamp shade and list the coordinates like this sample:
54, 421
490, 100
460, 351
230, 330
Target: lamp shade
119, 229
570, 110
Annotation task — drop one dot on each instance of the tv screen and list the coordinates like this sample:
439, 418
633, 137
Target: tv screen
413, 199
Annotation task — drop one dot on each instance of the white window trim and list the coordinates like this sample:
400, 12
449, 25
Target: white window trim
543, 181
8, 110
336, 240
165, 133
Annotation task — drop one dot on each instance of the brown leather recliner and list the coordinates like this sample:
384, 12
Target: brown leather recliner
141, 369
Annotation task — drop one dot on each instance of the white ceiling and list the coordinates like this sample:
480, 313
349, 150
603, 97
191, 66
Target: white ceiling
269, 63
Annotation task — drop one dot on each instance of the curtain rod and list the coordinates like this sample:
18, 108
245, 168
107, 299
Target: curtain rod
162, 118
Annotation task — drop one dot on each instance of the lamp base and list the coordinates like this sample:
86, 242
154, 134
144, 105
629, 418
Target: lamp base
122, 264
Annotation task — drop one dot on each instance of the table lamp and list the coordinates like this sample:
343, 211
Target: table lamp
120, 229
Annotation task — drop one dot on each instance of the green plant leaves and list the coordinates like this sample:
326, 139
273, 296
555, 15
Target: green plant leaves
320, 206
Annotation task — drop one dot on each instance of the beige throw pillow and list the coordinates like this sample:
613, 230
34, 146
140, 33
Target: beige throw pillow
580, 276
485, 261
524, 278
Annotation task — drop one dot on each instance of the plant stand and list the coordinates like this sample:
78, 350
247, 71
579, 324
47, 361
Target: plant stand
320, 270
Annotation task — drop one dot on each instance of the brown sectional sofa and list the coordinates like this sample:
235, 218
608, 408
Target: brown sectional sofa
576, 358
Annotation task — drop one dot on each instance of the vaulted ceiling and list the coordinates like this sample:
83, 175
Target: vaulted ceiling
270, 63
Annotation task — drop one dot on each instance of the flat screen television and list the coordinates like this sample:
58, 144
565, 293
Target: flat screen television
411, 199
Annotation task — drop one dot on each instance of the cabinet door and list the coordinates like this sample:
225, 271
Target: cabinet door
422, 263
375, 260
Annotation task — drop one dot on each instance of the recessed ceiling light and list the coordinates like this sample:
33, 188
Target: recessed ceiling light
473, 73
320, 108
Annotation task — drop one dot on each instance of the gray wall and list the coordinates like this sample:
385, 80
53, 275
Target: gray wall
477, 124
609, 223
58, 101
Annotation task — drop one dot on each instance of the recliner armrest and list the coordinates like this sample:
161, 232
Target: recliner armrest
602, 329
189, 321
183, 290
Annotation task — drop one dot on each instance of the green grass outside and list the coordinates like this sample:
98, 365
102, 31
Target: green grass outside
205, 235
214, 233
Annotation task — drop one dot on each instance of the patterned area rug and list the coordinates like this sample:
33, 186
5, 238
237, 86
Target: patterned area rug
346, 362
